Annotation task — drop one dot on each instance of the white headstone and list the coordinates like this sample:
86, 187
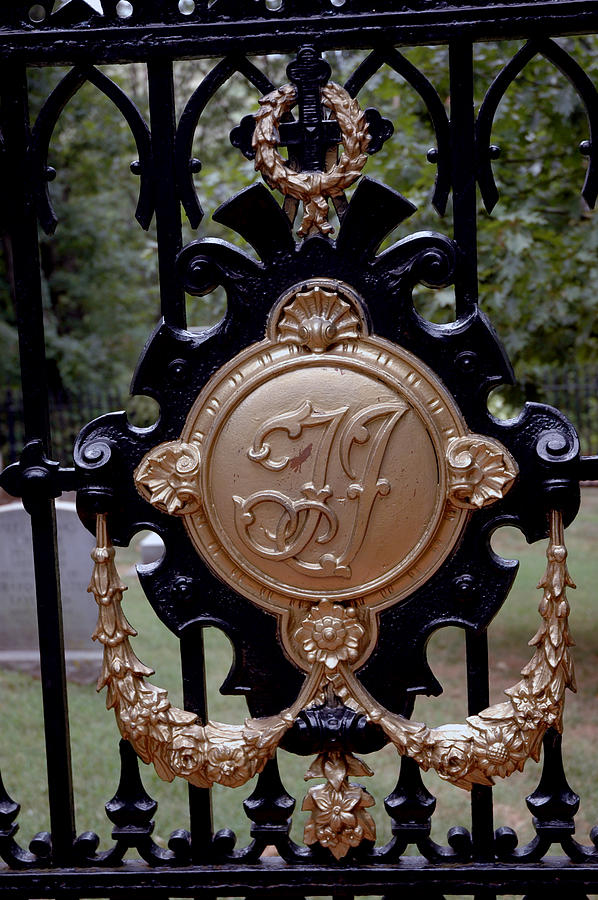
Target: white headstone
19, 647
151, 548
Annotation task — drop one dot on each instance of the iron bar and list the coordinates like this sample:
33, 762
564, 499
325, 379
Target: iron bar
259, 34
168, 211
462, 129
275, 877
196, 700
478, 697
28, 301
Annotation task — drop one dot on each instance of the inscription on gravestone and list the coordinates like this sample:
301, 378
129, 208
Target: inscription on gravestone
18, 617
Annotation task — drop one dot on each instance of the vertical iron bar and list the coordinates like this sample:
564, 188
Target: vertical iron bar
168, 209
26, 288
579, 415
590, 415
466, 292
462, 125
196, 701
10, 425
568, 404
168, 227
478, 697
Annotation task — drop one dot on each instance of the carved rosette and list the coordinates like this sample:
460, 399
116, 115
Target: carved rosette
168, 478
331, 634
480, 471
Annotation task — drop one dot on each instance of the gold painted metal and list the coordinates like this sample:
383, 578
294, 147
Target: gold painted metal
170, 738
325, 473
339, 819
496, 742
313, 189
500, 739
324, 464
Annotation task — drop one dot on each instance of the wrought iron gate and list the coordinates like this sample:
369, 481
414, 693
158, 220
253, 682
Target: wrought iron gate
325, 473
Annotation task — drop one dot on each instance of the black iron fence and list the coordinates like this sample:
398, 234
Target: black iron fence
365, 653
68, 413
575, 392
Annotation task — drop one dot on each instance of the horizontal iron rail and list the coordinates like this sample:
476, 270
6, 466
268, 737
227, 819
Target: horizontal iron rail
278, 877
279, 34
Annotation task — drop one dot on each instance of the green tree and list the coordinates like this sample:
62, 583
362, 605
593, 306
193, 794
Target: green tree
537, 250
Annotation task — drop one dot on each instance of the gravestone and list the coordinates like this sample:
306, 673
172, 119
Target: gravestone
151, 548
18, 617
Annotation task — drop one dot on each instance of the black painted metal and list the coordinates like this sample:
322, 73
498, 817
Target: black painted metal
467, 590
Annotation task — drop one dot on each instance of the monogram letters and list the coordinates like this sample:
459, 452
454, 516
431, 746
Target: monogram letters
311, 517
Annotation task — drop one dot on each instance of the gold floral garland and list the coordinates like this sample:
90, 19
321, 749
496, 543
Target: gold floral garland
313, 189
494, 743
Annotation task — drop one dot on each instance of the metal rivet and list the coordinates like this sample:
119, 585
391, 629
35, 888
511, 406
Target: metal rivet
273, 5
186, 7
195, 165
467, 361
50, 173
124, 9
182, 589
432, 155
135, 167
178, 369
494, 151
585, 148
37, 13
464, 586
337, 2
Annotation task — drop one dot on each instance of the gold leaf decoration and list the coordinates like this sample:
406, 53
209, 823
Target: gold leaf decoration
317, 319
171, 738
168, 476
313, 189
500, 739
339, 819
494, 743
481, 471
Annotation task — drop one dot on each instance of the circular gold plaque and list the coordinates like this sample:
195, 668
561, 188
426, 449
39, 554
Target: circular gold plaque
324, 463
323, 467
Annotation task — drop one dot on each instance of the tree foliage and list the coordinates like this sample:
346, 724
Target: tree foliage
538, 256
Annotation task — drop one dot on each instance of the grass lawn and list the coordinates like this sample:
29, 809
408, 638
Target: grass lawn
95, 738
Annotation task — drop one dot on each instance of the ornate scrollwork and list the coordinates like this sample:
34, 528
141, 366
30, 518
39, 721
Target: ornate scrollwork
168, 478
480, 472
324, 462
312, 188
360, 443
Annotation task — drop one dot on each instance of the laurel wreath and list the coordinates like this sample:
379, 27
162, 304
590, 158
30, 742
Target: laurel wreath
313, 189
496, 742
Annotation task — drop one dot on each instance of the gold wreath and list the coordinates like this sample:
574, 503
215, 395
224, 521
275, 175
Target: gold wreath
496, 742
312, 188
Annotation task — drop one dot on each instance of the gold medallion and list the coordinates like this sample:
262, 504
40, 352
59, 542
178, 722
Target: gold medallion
324, 462
325, 473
